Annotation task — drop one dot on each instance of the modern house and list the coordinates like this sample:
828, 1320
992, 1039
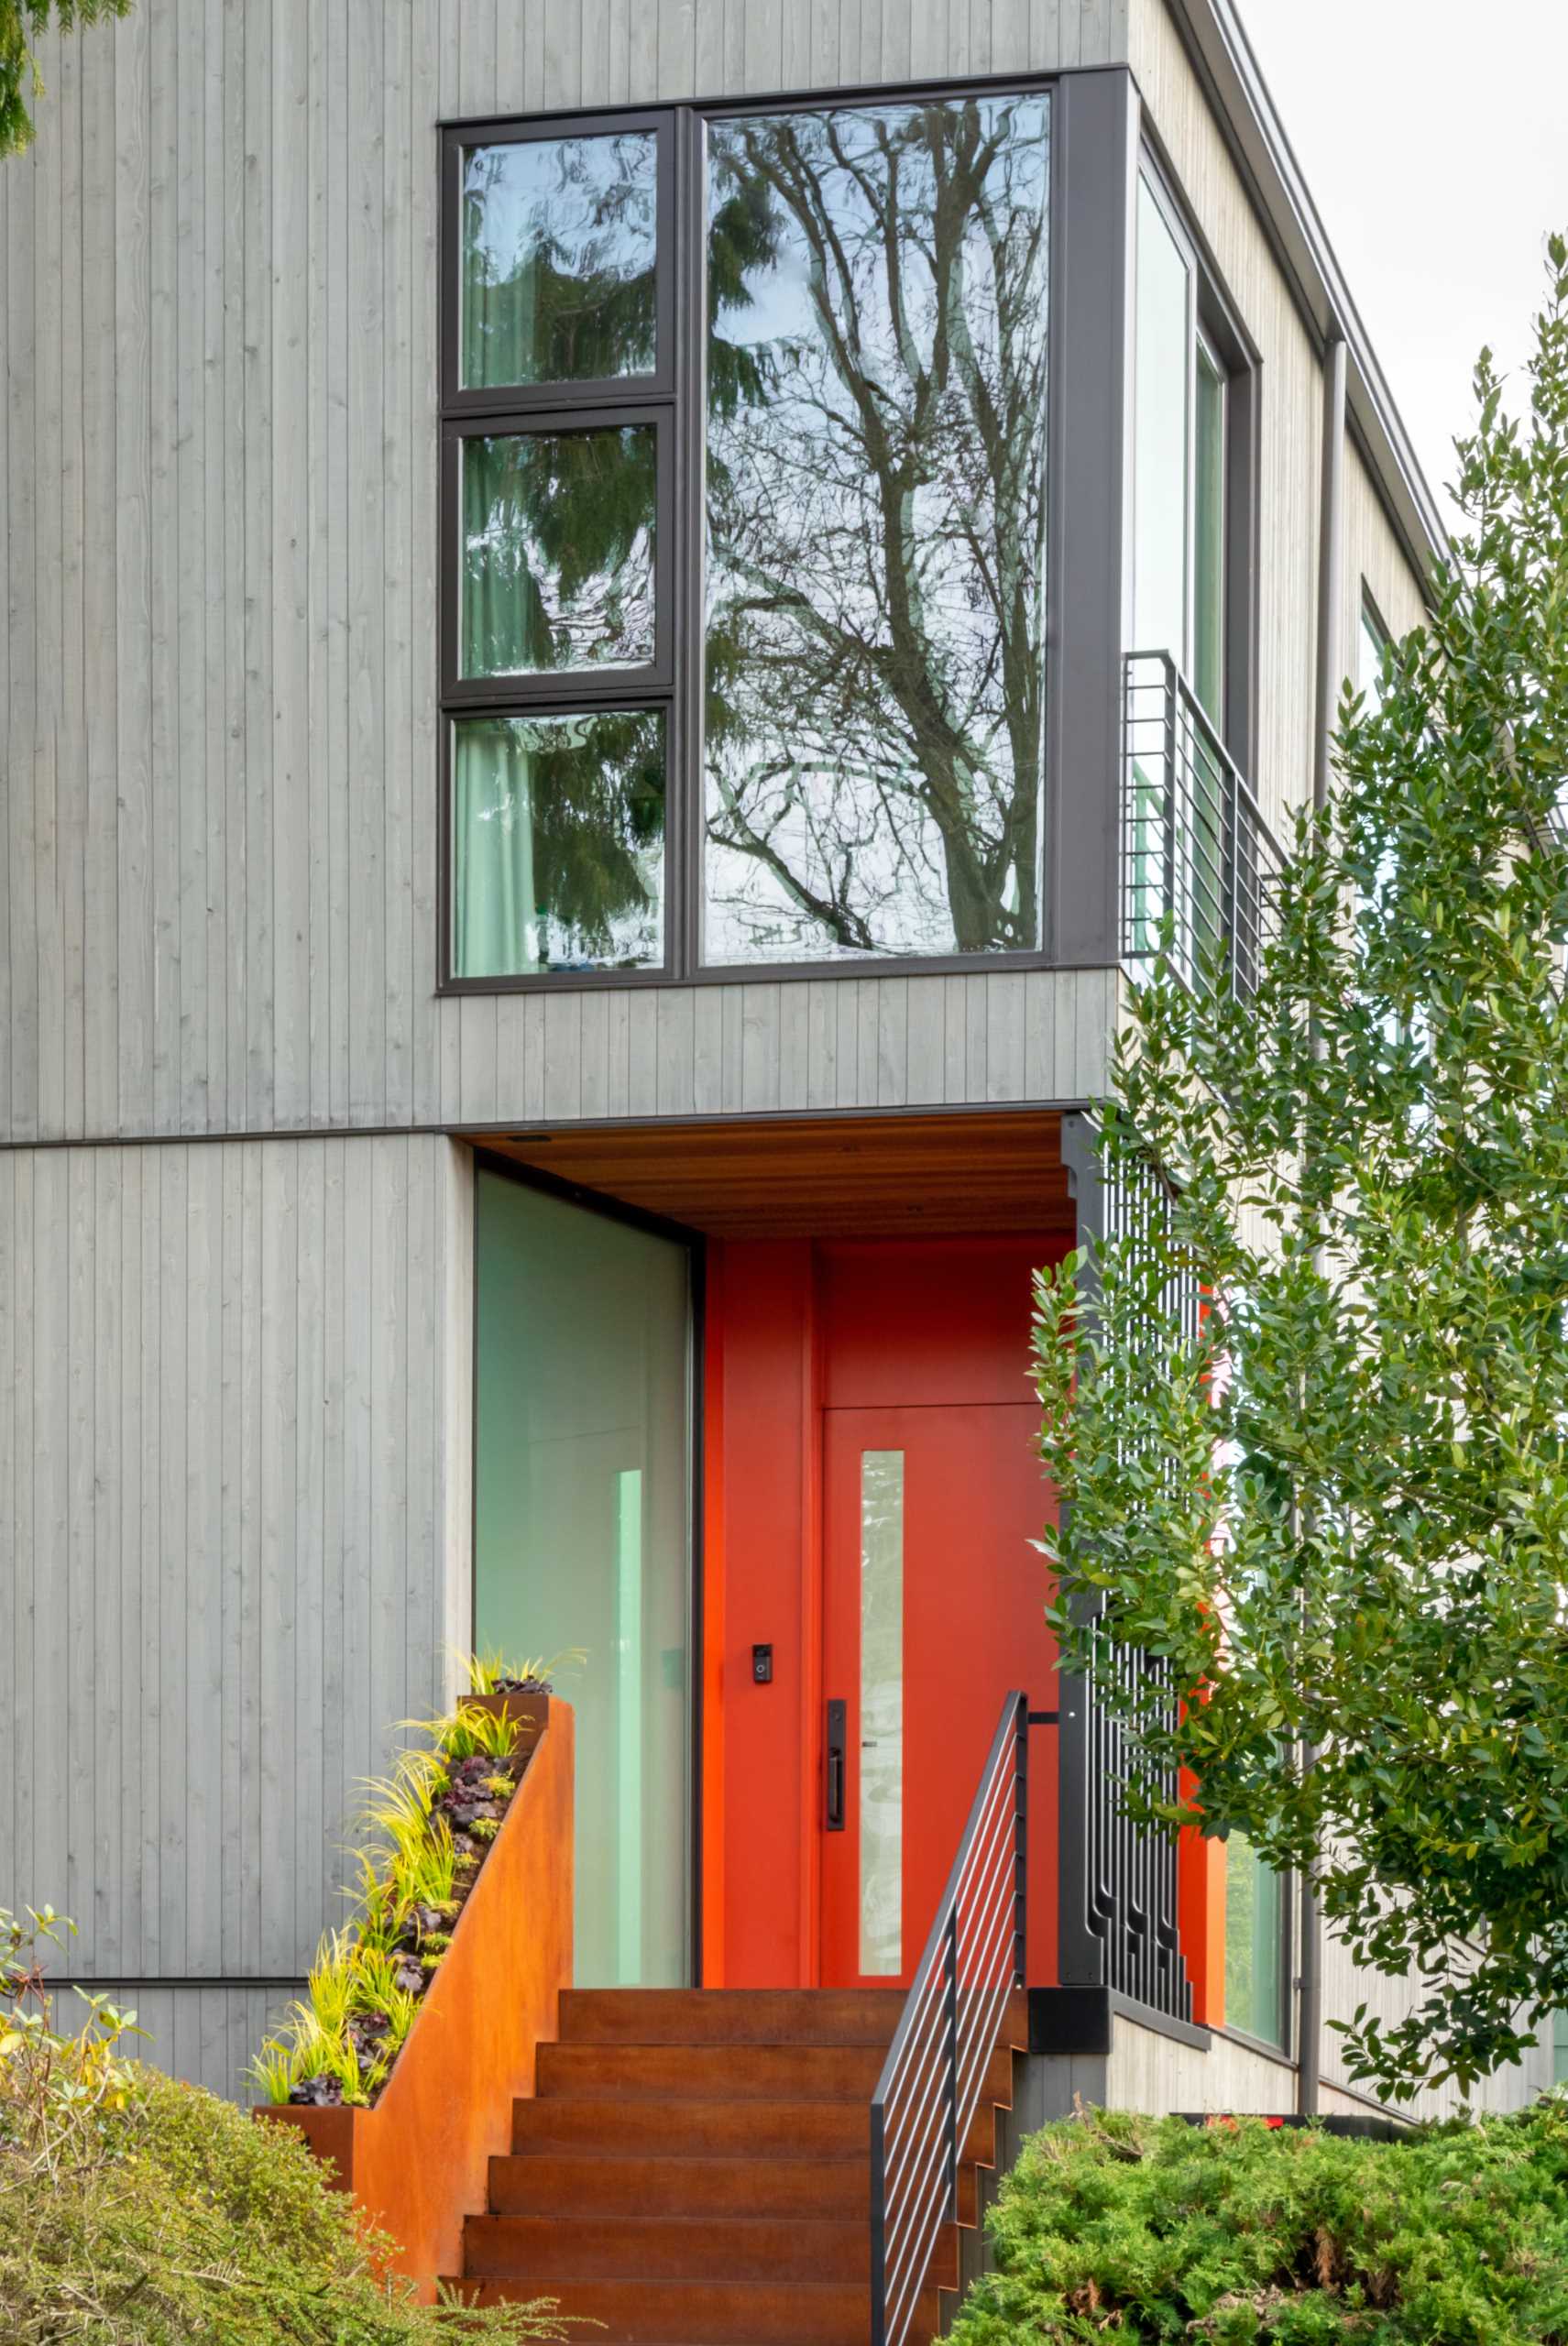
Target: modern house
620, 615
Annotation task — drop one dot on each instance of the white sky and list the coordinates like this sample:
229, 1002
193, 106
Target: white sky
1434, 135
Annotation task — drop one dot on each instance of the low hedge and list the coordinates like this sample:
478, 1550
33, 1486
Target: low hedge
135, 2211
1130, 2230
188, 2225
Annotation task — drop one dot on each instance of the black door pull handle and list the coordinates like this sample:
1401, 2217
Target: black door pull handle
837, 1729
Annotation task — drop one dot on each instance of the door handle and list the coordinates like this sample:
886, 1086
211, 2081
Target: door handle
833, 1818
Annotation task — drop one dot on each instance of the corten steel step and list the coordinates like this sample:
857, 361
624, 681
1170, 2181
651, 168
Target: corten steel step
727, 2072
563, 2183
729, 2016
694, 2168
834, 2129
712, 2313
596, 2247
679, 2129
710, 2072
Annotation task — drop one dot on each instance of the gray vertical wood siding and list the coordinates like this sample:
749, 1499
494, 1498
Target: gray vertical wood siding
234, 1475
217, 495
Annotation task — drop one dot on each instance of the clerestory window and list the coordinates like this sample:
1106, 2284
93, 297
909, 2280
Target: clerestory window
743, 626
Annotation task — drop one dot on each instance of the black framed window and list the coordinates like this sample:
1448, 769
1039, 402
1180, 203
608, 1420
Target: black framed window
558, 548
744, 538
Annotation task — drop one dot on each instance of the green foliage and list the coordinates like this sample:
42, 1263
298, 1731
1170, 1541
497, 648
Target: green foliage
469, 1732
490, 1672
56, 2089
21, 23
174, 2219
1338, 1513
368, 1979
1150, 2230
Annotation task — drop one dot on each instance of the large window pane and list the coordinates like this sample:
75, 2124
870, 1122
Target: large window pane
581, 1505
557, 843
558, 257
876, 520
1162, 364
557, 550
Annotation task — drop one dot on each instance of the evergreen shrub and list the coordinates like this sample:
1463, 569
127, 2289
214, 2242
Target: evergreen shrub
1130, 2230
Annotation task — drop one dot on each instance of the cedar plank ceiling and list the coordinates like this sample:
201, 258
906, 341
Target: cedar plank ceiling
819, 1177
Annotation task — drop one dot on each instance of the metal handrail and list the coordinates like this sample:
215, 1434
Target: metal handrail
931, 2083
1196, 850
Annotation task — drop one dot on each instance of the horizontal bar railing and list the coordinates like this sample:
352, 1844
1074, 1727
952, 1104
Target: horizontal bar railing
931, 2081
1196, 850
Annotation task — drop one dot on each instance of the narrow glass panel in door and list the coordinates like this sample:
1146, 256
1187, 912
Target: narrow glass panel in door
881, 1712
582, 1539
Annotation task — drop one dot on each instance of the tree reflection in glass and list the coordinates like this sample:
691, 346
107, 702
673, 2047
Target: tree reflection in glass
558, 250
558, 842
876, 549
557, 550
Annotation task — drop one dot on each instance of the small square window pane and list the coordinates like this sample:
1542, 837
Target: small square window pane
557, 283
557, 550
557, 843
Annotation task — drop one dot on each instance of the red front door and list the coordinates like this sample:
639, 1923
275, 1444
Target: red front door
933, 1594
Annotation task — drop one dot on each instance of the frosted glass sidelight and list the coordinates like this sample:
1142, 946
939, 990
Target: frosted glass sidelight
582, 1538
881, 1712
1255, 1944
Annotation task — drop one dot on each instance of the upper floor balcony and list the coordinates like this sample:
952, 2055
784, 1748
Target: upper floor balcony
1198, 862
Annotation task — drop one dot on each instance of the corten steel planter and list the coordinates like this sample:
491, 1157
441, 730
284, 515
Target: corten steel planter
418, 2163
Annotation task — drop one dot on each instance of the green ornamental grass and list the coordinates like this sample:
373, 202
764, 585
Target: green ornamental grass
1142, 2230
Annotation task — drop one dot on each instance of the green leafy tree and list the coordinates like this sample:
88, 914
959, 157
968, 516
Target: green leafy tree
1337, 1513
21, 23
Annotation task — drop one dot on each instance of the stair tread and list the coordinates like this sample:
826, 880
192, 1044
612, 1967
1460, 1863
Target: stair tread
759, 2128
604, 2182
709, 2016
701, 2313
698, 2248
716, 2072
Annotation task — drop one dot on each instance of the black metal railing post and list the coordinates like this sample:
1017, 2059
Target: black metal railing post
879, 2242
952, 2079
1021, 1840
1172, 819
